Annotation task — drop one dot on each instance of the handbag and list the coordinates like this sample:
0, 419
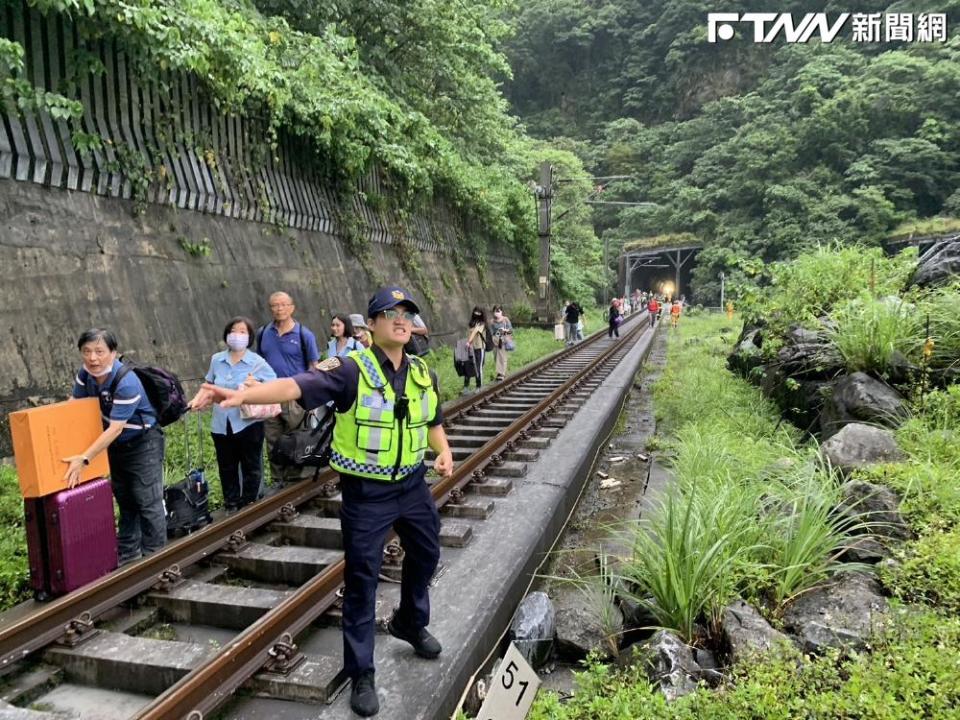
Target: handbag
306, 446
508, 344
259, 412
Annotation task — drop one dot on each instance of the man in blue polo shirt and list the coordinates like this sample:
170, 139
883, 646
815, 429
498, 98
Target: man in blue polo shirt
133, 441
290, 349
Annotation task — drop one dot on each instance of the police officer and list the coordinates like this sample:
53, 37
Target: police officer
388, 412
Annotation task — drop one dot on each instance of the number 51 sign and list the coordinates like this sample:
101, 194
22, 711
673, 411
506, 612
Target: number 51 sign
512, 690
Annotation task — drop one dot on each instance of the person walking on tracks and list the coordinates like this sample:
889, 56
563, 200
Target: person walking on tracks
653, 309
289, 348
480, 342
614, 318
571, 320
133, 440
503, 341
388, 413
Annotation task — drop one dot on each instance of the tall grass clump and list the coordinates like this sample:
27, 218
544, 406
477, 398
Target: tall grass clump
941, 307
752, 510
870, 333
806, 535
690, 554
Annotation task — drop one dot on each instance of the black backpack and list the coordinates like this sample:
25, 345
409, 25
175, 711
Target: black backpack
306, 446
163, 389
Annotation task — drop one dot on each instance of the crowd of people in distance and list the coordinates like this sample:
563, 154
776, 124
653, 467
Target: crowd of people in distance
619, 308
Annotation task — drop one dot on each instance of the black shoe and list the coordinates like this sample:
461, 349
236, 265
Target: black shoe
363, 698
424, 644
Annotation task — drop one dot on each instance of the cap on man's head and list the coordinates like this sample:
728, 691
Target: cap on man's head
356, 319
389, 297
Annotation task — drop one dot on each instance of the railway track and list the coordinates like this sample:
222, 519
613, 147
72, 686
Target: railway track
263, 576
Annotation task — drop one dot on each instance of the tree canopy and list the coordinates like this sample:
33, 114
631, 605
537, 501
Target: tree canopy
759, 150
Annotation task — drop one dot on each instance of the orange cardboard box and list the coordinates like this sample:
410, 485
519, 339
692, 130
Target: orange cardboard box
43, 436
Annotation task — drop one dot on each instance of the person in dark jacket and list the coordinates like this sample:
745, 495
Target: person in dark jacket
614, 318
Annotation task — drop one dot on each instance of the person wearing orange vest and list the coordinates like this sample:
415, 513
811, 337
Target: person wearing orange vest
675, 311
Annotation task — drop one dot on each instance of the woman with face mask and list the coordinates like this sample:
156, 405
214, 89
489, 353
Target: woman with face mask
238, 442
480, 340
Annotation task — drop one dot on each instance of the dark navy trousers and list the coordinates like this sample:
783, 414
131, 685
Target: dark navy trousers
368, 511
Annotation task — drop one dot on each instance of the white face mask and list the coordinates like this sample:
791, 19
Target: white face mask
91, 373
238, 341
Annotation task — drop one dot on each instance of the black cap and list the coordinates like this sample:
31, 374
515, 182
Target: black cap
388, 297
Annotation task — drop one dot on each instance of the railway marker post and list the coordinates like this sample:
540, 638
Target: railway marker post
512, 689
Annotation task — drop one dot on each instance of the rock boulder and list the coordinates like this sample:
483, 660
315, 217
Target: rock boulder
861, 398
579, 627
858, 445
747, 633
879, 504
843, 613
669, 663
939, 264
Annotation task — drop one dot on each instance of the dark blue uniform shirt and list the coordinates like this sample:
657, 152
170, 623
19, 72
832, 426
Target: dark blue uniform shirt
318, 387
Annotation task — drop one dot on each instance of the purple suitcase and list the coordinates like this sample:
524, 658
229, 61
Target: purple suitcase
71, 538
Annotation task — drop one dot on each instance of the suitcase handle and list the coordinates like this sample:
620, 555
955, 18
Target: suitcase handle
186, 442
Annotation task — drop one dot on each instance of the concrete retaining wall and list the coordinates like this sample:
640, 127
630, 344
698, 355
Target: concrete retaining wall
71, 260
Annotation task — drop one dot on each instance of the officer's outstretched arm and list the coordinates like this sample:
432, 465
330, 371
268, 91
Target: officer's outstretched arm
275, 391
438, 443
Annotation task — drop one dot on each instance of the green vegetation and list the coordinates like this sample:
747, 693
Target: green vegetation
928, 571
751, 512
870, 333
735, 463
806, 288
855, 298
910, 672
14, 569
408, 87
759, 150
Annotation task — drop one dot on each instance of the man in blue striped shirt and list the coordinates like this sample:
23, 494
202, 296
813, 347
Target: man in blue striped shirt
133, 441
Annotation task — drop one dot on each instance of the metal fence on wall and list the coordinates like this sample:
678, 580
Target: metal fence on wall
164, 142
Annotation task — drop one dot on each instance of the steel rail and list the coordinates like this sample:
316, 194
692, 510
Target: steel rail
34, 631
29, 633
205, 687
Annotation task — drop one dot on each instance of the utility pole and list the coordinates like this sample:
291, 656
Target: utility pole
722, 276
606, 268
544, 192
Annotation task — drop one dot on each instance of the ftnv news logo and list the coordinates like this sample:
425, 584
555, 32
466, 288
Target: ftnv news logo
859, 27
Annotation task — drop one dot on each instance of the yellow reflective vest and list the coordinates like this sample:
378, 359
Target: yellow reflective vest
382, 437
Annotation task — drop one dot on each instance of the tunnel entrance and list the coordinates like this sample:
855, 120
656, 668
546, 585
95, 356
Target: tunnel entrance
661, 265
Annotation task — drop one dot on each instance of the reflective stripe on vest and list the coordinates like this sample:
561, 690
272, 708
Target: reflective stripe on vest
365, 438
